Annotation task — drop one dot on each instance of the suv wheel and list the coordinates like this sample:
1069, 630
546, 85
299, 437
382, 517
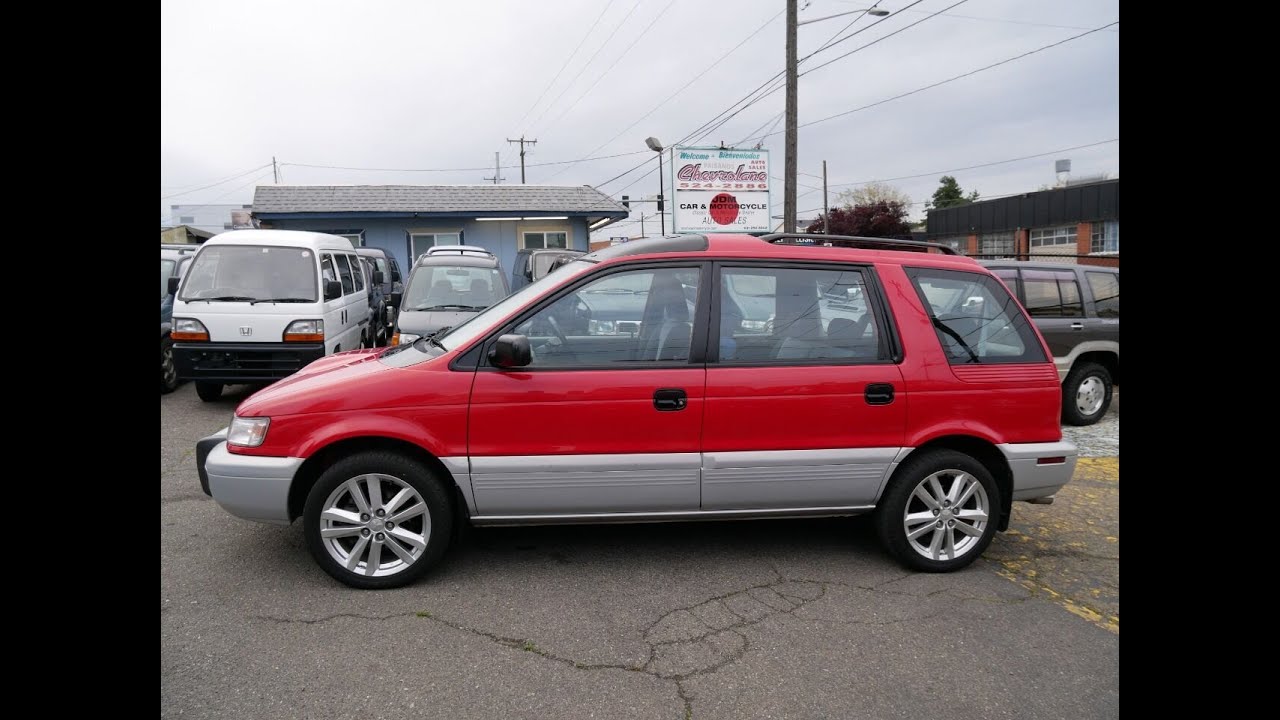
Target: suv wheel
209, 391
1086, 394
939, 511
377, 520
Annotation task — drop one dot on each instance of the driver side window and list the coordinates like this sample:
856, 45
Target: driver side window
625, 317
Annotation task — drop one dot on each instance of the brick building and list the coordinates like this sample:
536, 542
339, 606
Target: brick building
1073, 224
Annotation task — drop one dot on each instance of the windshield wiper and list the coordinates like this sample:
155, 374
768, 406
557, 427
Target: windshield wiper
221, 298
432, 337
434, 308
282, 300
973, 358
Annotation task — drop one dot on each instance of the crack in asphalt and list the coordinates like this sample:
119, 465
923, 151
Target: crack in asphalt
183, 498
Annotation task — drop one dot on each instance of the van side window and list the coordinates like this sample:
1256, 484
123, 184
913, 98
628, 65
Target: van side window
326, 268
344, 271
357, 270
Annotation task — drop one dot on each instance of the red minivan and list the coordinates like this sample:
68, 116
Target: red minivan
681, 378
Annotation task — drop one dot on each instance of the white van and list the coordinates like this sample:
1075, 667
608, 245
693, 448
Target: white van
258, 305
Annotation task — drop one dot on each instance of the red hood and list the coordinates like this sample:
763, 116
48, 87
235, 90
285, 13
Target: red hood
352, 380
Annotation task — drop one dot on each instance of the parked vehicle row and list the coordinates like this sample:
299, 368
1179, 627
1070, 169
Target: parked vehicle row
174, 261
764, 377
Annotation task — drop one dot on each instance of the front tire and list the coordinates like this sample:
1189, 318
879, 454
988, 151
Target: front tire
168, 371
1086, 394
939, 512
209, 391
377, 520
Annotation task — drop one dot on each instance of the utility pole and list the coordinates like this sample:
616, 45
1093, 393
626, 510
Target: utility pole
826, 214
497, 170
789, 175
275, 170
522, 142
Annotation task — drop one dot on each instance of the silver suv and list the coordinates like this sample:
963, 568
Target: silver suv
447, 285
1077, 309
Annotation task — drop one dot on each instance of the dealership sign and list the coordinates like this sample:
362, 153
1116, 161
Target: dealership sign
715, 190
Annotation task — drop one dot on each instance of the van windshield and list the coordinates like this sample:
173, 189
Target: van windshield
225, 273
443, 287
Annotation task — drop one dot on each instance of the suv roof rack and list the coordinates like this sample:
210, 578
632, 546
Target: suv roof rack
849, 240
458, 250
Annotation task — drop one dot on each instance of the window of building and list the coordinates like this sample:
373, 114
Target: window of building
1106, 237
959, 243
627, 317
356, 239
1052, 293
538, 240
187, 219
419, 243
975, 318
1047, 237
1106, 293
996, 245
788, 316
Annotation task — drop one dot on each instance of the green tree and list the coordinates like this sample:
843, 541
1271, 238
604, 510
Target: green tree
949, 194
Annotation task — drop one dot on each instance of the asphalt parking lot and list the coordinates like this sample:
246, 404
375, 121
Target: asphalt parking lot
770, 619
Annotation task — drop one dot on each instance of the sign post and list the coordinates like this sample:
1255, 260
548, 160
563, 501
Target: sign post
719, 190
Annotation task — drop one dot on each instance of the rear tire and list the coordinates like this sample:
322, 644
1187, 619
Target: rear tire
209, 391
168, 371
918, 521
1086, 394
377, 507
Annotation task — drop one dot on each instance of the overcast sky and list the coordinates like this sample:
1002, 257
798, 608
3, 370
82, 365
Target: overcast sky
423, 85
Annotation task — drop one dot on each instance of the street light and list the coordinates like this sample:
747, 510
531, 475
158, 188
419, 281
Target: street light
656, 145
792, 131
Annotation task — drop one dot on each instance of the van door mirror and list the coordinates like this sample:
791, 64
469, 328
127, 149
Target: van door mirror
173, 286
332, 290
395, 299
511, 351
377, 277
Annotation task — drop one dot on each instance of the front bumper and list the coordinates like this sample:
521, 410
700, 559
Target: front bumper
1039, 469
242, 362
247, 486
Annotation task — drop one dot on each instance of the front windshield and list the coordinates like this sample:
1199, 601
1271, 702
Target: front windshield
542, 262
447, 287
478, 324
166, 272
252, 272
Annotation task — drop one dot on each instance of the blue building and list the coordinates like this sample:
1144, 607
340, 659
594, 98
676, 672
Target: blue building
405, 220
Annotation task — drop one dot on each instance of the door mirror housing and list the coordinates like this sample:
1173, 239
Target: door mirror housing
173, 286
511, 351
395, 299
377, 277
332, 290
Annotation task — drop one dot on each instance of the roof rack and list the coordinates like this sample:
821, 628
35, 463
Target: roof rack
848, 240
459, 250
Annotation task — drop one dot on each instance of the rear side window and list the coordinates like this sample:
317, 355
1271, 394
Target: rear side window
1052, 293
344, 272
975, 318
1106, 293
357, 270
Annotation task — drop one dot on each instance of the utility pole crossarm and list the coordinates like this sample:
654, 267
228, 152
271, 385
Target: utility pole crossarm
522, 142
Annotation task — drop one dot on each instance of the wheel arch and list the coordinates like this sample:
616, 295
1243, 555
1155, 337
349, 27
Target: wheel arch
1105, 358
981, 450
316, 463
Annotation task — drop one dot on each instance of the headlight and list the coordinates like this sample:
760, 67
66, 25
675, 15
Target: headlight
305, 331
188, 329
601, 327
248, 432
406, 338
755, 325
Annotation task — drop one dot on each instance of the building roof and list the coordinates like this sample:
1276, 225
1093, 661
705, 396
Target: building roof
451, 199
1042, 208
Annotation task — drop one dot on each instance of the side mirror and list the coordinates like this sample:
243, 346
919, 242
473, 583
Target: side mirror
377, 277
395, 300
511, 351
332, 290
391, 316
173, 286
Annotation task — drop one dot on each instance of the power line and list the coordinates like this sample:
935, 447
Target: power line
882, 37
588, 63
234, 189
206, 187
1016, 22
467, 169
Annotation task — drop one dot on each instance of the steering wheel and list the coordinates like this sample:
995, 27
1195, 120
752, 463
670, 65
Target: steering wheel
555, 328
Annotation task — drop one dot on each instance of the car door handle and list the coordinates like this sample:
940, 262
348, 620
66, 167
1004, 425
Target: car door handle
878, 394
670, 399
1077, 326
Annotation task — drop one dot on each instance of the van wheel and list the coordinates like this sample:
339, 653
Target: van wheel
939, 511
1086, 394
209, 392
377, 519
168, 371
